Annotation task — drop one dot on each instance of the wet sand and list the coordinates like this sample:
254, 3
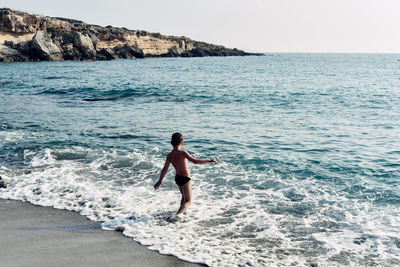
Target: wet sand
43, 236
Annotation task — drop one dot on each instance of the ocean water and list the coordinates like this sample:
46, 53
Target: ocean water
309, 149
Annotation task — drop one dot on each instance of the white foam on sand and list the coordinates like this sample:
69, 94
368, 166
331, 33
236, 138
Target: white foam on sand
238, 217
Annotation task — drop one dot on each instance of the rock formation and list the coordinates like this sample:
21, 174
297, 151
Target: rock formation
27, 37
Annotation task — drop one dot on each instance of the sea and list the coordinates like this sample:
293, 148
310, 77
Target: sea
308, 148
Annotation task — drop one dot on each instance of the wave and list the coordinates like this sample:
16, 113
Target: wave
100, 99
238, 216
5, 82
151, 93
92, 94
55, 77
67, 91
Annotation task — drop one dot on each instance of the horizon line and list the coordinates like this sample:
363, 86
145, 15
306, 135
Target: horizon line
318, 52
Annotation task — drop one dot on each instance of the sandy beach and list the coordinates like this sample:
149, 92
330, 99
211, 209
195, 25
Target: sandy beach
43, 236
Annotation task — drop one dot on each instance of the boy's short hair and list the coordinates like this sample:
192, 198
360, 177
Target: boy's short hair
176, 139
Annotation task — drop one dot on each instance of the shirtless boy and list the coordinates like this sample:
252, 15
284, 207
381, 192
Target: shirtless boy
179, 158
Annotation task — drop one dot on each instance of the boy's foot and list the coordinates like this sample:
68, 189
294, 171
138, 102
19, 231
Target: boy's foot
174, 218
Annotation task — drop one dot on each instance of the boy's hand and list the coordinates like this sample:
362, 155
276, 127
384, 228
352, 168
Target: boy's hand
157, 185
214, 160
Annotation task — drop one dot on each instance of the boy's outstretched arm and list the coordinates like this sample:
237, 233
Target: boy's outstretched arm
163, 172
198, 161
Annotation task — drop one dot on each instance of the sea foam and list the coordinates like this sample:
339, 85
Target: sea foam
231, 221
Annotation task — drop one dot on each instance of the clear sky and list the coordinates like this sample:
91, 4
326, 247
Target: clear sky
371, 26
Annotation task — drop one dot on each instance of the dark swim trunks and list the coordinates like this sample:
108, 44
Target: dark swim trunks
181, 180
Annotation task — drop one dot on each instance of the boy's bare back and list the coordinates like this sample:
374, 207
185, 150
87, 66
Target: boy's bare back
178, 158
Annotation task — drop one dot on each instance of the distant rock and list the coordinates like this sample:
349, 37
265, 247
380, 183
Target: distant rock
128, 51
27, 37
85, 46
8, 54
106, 54
43, 48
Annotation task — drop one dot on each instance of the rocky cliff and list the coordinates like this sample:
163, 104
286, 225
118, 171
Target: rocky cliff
27, 37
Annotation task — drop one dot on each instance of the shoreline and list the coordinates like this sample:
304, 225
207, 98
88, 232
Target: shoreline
44, 236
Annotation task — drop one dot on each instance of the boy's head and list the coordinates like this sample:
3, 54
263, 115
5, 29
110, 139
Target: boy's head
176, 139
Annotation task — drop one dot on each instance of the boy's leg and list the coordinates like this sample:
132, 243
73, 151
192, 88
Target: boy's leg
186, 191
183, 197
